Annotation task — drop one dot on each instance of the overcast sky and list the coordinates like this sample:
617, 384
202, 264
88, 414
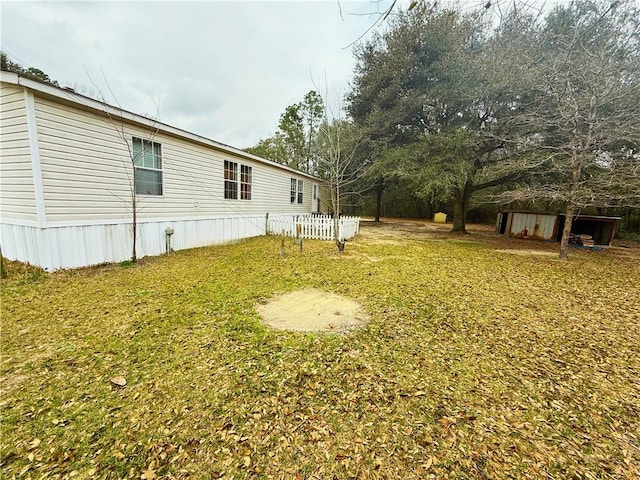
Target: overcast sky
224, 70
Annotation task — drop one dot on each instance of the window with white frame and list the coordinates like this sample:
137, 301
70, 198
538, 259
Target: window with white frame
297, 189
234, 183
300, 190
147, 166
315, 191
230, 180
245, 182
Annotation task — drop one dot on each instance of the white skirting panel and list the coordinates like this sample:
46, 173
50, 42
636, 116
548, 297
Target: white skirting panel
59, 247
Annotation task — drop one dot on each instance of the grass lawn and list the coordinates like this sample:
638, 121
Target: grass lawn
484, 358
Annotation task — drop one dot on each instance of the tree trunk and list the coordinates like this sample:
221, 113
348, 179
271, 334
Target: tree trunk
429, 210
3, 270
564, 241
460, 207
576, 172
379, 189
336, 219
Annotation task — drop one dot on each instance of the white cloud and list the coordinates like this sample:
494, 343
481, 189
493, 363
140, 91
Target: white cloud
225, 70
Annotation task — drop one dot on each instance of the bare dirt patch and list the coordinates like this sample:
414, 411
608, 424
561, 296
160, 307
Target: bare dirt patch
529, 252
400, 230
313, 311
395, 231
630, 250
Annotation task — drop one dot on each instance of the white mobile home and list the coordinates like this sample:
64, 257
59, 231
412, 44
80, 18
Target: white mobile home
69, 167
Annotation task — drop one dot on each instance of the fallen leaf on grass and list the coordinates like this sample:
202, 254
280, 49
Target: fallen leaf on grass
456, 376
446, 422
148, 474
118, 381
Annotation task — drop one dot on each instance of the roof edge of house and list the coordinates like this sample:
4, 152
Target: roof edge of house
69, 96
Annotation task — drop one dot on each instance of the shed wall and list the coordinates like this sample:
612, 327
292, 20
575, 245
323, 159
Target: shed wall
533, 225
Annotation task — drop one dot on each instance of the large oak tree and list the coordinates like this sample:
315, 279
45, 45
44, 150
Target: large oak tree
434, 92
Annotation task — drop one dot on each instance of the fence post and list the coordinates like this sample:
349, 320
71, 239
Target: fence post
266, 224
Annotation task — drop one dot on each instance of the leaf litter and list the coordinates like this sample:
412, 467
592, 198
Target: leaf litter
475, 364
312, 310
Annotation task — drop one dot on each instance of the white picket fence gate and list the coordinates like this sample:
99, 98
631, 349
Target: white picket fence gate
318, 227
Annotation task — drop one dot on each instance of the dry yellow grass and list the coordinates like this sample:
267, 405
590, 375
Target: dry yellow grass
477, 363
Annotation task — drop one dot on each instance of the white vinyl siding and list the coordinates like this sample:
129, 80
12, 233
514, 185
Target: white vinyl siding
17, 193
86, 166
87, 173
67, 180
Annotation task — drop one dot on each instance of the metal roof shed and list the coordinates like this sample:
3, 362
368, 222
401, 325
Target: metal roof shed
542, 226
601, 228
549, 226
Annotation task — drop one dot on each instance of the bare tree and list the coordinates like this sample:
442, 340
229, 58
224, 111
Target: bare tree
586, 62
139, 151
338, 142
